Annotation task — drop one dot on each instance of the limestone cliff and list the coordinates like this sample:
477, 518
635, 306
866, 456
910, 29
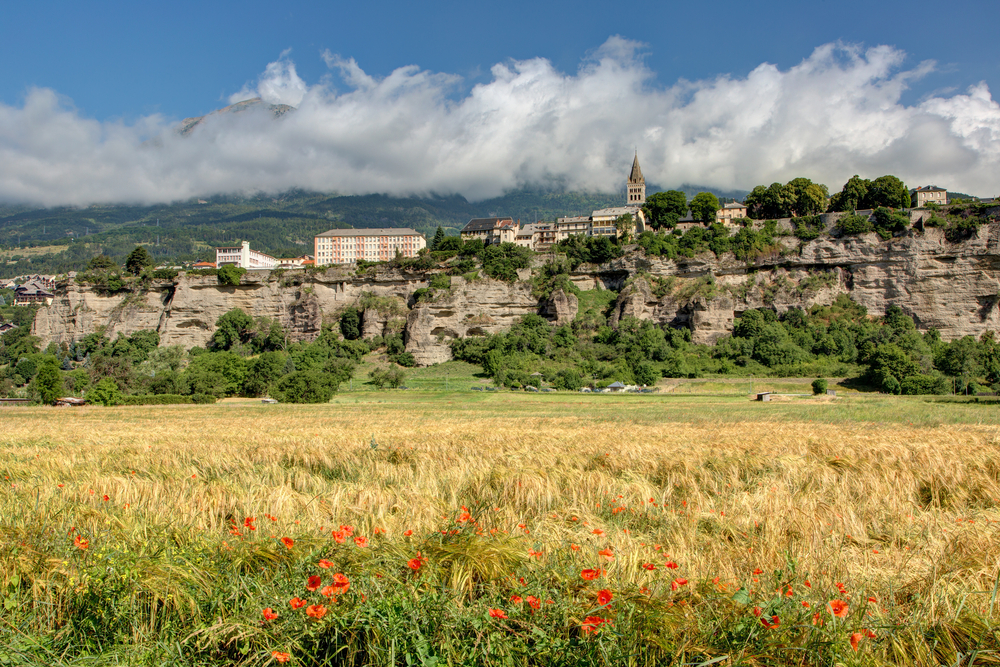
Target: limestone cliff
954, 287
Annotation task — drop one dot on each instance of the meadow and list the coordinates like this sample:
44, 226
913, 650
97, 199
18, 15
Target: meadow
460, 528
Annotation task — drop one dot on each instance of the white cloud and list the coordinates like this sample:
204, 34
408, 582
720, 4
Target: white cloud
837, 113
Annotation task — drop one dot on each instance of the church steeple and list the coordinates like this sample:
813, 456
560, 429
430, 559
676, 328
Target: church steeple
636, 184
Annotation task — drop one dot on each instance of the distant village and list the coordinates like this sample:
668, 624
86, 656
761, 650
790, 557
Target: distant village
350, 246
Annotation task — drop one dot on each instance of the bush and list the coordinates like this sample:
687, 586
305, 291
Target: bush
819, 386
202, 398
164, 274
350, 323
854, 224
105, 393
392, 376
230, 274
405, 359
306, 387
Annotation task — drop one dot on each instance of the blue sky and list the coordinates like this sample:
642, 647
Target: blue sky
125, 71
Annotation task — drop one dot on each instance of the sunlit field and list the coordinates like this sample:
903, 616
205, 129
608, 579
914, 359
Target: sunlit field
459, 528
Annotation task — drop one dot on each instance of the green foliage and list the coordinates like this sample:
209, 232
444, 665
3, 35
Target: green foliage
106, 393
799, 197
808, 227
230, 274
166, 399
581, 249
350, 323
263, 372
138, 260
101, 263
164, 274
861, 194
306, 387
391, 376
962, 229
502, 262
48, 383
664, 209
853, 224
819, 386
440, 281
704, 206
438, 238
888, 222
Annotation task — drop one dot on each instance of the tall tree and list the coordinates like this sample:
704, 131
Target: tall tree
664, 209
703, 207
852, 196
438, 237
774, 201
887, 191
806, 197
138, 260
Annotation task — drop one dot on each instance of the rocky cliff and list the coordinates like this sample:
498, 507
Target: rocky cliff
954, 287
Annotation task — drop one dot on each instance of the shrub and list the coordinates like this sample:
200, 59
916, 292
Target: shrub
306, 387
405, 359
105, 393
854, 224
230, 274
161, 399
164, 274
350, 323
819, 386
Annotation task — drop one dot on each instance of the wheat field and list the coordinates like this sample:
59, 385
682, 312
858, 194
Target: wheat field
721, 530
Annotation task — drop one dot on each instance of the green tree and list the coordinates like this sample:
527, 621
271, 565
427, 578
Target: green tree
101, 263
138, 260
438, 237
703, 207
305, 387
887, 191
774, 201
664, 209
350, 323
852, 196
231, 329
230, 274
625, 225
48, 383
105, 392
806, 197
262, 372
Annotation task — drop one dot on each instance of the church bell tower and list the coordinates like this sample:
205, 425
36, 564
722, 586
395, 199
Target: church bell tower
636, 185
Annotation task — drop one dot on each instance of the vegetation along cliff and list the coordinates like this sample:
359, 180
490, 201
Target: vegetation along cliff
802, 296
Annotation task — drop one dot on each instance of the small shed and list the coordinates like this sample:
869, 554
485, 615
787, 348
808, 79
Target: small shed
764, 396
616, 386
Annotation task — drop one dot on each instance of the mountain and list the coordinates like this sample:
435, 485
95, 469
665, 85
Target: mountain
188, 125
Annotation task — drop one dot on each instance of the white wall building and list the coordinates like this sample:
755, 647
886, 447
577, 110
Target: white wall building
244, 258
347, 246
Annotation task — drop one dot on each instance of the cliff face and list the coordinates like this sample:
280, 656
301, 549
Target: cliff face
952, 287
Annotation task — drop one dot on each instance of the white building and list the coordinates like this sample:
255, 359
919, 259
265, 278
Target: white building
347, 246
244, 258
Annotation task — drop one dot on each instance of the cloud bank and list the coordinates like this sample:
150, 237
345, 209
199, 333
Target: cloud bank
837, 113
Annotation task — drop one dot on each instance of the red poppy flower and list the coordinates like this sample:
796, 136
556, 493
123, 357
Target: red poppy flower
361, 541
838, 608
281, 657
248, 522
516, 599
757, 611
341, 583
328, 591
590, 574
348, 530
672, 565
105, 498
855, 639
325, 564
574, 547
774, 622
607, 554
408, 533
81, 543
316, 611
758, 571
649, 566
498, 613
597, 531
593, 624
270, 614
817, 620
604, 597
297, 602
288, 542
338, 536
807, 584
414, 564
533, 602
313, 583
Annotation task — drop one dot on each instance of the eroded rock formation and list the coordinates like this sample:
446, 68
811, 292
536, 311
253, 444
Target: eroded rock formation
954, 287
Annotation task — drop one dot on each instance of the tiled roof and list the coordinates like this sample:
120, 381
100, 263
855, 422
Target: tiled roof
381, 231
486, 224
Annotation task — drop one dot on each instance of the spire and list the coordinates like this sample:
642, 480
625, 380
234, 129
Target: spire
636, 175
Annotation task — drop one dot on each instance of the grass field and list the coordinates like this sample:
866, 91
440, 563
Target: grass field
510, 528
